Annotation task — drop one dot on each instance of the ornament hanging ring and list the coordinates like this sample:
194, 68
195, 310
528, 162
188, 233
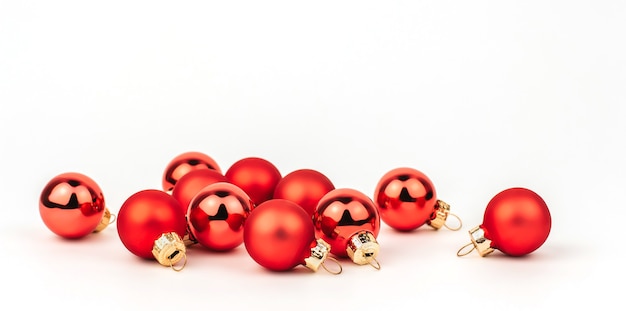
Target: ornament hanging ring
374, 263
113, 218
455, 228
182, 267
336, 262
458, 253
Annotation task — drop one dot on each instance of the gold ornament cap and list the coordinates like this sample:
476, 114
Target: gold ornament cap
363, 249
107, 219
319, 253
479, 243
169, 249
189, 239
442, 210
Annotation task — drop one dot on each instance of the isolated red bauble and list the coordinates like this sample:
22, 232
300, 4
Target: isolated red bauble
257, 177
185, 163
341, 215
190, 184
279, 235
217, 215
304, 187
406, 199
517, 221
145, 216
72, 205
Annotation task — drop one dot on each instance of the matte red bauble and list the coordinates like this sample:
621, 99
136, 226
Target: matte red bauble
348, 220
304, 187
279, 236
516, 222
72, 205
406, 199
217, 215
185, 163
151, 225
257, 177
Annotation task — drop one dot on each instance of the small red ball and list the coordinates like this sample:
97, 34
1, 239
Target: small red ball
217, 215
71, 205
517, 221
190, 184
185, 163
279, 235
304, 187
406, 199
341, 214
145, 216
257, 177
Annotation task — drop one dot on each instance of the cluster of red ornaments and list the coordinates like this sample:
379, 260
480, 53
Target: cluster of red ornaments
283, 221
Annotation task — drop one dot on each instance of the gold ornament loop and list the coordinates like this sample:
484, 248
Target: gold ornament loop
113, 218
182, 267
455, 228
374, 263
459, 254
336, 262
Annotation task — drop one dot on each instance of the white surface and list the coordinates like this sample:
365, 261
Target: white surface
481, 96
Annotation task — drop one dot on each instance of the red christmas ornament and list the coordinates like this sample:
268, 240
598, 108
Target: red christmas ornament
279, 236
349, 221
257, 177
217, 214
72, 205
406, 200
151, 224
304, 187
190, 184
516, 221
185, 163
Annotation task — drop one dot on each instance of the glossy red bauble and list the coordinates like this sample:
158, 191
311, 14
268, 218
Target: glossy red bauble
72, 205
348, 220
304, 187
151, 225
257, 177
406, 199
190, 184
185, 163
279, 236
217, 215
516, 222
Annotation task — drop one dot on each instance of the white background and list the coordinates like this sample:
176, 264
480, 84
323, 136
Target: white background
479, 95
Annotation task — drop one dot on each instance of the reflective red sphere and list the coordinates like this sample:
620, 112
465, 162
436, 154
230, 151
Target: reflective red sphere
71, 205
257, 177
190, 184
405, 198
304, 187
185, 163
517, 221
145, 216
343, 213
279, 235
217, 215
